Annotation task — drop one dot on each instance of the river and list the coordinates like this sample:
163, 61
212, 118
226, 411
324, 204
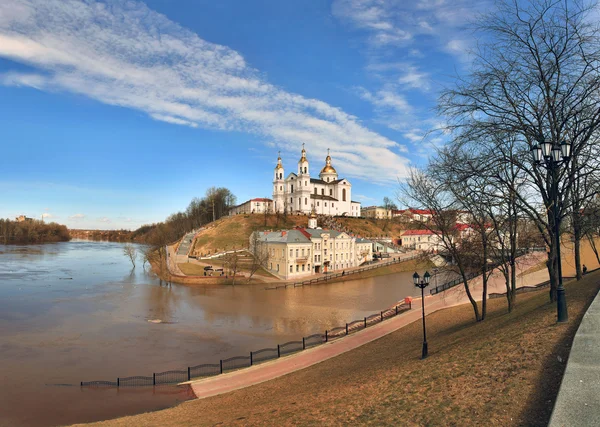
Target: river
77, 311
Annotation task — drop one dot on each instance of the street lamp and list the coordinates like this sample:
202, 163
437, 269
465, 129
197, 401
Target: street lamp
551, 156
422, 284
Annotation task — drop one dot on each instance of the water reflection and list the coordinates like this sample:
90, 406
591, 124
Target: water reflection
78, 311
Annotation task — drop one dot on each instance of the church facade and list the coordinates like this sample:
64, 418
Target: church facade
299, 193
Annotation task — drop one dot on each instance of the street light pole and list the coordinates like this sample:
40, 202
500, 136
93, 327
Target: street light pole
422, 284
551, 156
561, 301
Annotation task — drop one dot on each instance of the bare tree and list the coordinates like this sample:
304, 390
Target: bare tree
536, 78
131, 252
259, 254
231, 261
432, 194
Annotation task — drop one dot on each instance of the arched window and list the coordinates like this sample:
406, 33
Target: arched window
305, 169
344, 195
327, 179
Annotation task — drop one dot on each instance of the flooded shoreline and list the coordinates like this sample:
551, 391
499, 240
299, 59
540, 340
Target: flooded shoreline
76, 311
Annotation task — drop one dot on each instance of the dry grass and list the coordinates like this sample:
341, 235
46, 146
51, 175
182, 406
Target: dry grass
501, 372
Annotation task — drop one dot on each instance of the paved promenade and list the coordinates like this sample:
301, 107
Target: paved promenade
578, 402
270, 370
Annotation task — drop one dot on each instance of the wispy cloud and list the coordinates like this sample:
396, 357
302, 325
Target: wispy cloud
77, 217
104, 220
47, 215
402, 23
363, 198
124, 54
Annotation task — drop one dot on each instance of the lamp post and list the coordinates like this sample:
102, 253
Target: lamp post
551, 156
422, 284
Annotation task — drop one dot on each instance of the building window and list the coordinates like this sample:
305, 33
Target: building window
297, 253
331, 191
291, 200
318, 204
271, 266
315, 258
291, 253
292, 188
305, 201
297, 268
344, 195
278, 268
291, 268
332, 205
325, 204
327, 179
280, 188
322, 191
305, 182
302, 251
303, 266
305, 171
315, 190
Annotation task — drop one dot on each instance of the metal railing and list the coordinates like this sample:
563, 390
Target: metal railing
458, 281
254, 358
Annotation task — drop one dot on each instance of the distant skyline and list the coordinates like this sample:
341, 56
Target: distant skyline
116, 114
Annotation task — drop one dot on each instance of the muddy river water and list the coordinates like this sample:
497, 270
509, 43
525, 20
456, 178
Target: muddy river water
77, 311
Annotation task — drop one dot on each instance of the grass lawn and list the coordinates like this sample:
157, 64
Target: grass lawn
504, 371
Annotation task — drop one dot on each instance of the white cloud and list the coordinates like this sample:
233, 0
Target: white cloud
124, 54
363, 198
47, 215
404, 23
77, 217
104, 220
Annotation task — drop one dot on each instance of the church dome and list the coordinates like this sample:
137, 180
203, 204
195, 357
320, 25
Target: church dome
328, 168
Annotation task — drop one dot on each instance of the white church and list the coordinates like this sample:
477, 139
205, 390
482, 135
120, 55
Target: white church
299, 193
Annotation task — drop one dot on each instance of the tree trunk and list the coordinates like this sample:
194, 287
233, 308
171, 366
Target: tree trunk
484, 278
577, 232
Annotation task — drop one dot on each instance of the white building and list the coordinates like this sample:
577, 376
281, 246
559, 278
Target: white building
252, 206
306, 251
327, 195
422, 240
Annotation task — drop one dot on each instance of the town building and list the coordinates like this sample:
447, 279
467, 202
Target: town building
252, 206
422, 240
376, 212
23, 218
306, 251
299, 193
413, 215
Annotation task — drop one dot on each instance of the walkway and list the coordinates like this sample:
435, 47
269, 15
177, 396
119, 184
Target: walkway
578, 402
270, 370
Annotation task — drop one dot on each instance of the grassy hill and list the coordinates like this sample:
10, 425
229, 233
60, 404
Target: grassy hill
504, 371
234, 232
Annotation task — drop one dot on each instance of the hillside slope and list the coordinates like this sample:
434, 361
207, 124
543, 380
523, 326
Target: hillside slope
234, 232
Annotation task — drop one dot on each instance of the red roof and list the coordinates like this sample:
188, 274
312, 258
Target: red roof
304, 232
417, 232
421, 211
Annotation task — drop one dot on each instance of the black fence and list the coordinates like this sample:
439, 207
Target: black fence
453, 283
328, 277
254, 358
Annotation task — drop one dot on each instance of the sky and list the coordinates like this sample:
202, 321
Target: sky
116, 114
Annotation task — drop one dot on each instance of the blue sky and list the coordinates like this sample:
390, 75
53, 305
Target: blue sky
114, 114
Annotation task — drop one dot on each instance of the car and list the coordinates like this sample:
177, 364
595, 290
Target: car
208, 267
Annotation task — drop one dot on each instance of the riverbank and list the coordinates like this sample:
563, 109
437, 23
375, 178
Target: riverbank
503, 371
32, 232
